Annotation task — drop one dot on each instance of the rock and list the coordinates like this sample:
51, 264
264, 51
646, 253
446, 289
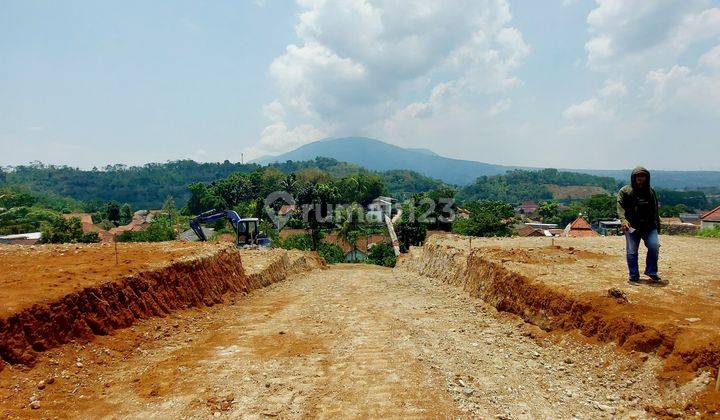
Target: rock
41, 385
35, 405
79, 364
50, 380
568, 360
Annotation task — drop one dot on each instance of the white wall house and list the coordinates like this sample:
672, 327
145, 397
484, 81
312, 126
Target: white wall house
710, 219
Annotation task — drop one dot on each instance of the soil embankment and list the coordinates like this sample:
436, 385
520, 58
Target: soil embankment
152, 280
579, 284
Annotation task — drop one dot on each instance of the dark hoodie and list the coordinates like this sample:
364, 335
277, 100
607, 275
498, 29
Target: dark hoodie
639, 206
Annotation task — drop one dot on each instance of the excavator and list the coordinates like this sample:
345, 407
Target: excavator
246, 229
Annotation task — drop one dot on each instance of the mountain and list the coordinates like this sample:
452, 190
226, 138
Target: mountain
379, 156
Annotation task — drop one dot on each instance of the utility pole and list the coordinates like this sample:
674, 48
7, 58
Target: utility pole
242, 158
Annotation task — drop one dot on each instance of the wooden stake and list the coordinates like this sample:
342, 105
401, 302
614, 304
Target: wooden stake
116, 253
717, 381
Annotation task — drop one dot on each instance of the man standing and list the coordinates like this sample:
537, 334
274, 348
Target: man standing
637, 207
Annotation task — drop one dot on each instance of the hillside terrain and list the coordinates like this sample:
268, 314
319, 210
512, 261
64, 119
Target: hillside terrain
378, 155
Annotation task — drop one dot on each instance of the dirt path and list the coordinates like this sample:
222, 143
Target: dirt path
350, 341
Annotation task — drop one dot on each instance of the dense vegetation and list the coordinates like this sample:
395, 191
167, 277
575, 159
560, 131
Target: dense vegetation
516, 186
145, 187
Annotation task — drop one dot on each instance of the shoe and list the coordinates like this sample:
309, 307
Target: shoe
655, 278
634, 280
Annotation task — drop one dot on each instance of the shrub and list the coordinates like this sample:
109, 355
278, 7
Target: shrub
299, 241
382, 254
710, 233
160, 229
59, 230
331, 253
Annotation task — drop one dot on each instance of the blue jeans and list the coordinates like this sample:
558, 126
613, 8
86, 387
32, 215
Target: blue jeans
652, 242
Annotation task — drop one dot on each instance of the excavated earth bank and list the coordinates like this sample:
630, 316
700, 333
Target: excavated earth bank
580, 286
205, 278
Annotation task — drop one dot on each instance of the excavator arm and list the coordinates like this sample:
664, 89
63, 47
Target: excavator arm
211, 216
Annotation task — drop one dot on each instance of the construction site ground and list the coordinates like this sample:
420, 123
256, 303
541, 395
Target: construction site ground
366, 341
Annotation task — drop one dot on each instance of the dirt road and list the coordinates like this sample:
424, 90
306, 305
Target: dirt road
345, 341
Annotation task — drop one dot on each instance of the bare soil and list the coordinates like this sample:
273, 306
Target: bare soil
42, 273
514, 328
348, 341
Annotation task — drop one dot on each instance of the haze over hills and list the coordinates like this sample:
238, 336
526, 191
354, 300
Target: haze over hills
380, 156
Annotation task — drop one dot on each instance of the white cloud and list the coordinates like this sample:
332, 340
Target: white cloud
500, 106
358, 61
591, 108
612, 89
711, 59
637, 32
277, 138
684, 91
599, 107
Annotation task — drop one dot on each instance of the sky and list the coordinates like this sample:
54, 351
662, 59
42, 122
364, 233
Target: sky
595, 84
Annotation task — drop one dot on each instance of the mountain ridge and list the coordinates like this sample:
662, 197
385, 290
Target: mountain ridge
380, 156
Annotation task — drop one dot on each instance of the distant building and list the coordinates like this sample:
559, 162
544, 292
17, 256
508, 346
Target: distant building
287, 209
690, 218
528, 207
579, 228
379, 208
609, 227
21, 238
710, 219
529, 231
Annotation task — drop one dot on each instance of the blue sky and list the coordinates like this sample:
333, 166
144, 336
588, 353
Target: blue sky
565, 83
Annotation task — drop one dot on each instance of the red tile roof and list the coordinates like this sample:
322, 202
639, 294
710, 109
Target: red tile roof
712, 216
579, 228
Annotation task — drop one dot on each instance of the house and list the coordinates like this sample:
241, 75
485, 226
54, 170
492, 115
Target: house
86, 221
21, 238
528, 207
379, 208
579, 228
287, 210
529, 231
690, 218
609, 227
710, 219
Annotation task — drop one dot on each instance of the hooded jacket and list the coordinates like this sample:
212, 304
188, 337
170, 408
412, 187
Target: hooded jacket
637, 206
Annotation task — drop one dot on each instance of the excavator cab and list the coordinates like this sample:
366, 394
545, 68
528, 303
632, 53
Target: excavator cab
247, 230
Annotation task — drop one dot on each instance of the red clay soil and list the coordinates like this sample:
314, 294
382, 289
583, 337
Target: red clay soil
54, 294
579, 284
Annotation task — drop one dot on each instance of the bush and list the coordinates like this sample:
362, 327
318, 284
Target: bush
160, 229
710, 233
487, 218
59, 231
382, 254
299, 241
331, 253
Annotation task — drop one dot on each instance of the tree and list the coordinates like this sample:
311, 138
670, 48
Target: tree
487, 218
549, 211
319, 199
113, 212
382, 254
331, 253
353, 226
169, 208
126, 214
409, 230
600, 206
59, 230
